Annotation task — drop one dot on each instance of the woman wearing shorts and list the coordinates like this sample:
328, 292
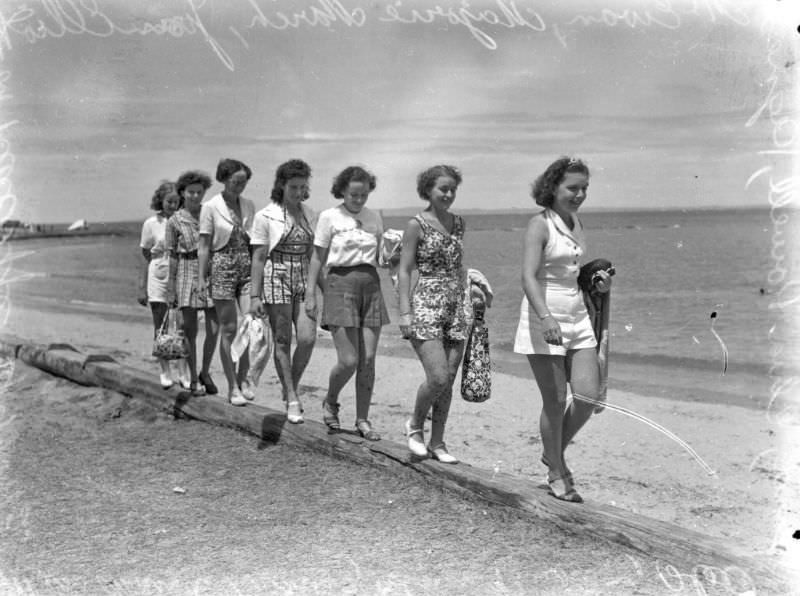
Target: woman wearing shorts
153, 288
346, 242
435, 317
182, 238
282, 241
554, 329
225, 222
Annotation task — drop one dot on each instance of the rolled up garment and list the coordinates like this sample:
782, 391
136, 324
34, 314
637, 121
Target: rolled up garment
598, 305
255, 337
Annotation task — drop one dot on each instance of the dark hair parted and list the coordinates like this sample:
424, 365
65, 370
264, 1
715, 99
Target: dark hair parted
544, 188
352, 174
427, 179
157, 202
192, 177
227, 167
294, 168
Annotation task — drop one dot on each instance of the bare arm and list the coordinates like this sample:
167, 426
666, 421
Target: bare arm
533, 245
318, 257
407, 264
257, 262
142, 298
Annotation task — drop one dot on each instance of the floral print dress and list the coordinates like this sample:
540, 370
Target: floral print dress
437, 302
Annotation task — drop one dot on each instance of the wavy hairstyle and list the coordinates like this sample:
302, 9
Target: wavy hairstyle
192, 177
544, 188
352, 174
164, 188
427, 179
227, 167
294, 168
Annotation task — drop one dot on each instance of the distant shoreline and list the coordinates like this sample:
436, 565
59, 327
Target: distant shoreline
33, 235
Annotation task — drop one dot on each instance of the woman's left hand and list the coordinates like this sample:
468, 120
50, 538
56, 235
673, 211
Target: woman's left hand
602, 281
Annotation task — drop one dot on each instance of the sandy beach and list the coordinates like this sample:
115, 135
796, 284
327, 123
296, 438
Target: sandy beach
749, 501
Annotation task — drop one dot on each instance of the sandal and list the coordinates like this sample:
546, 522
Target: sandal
562, 489
365, 430
330, 415
416, 446
294, 413
441, 454
196, 389
568, 474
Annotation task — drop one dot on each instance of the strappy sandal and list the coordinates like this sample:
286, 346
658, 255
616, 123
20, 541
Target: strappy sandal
562, 489
568, 474
365, 430
330, 415
415, 445
195, 389
440, 453
294, 412
205, 379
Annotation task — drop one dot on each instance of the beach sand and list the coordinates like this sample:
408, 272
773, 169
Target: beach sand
752, 500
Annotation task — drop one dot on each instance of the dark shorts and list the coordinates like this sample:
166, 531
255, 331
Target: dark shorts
230, 274
353, 298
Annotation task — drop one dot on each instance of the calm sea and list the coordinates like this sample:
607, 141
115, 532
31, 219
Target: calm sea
674, 269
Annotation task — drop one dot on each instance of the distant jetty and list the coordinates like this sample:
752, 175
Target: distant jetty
12, 229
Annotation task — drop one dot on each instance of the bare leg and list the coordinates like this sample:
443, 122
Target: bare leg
584, 379
210, 342
440, 363
190, 331
365, 376
306, 333
346, 341
280, 320
227, 314
551, 377
441, 406
244, 359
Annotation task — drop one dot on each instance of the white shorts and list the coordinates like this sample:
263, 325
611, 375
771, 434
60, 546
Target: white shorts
567, 307
157, 275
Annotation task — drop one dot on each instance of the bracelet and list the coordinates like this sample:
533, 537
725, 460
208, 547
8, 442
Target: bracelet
405, 314
545, 316
254, 297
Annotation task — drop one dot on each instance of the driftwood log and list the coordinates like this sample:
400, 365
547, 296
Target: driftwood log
682, 555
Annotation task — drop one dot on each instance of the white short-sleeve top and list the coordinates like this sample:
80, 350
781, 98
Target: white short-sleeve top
351, 238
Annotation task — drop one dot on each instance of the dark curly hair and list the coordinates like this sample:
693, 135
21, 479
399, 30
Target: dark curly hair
192, 177
227, 167
164, 188
352, 174
294, 168
544, 188
427, 179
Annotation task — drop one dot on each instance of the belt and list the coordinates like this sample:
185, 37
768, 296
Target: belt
188, 256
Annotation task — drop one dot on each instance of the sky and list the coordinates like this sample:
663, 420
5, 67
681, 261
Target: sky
671, 103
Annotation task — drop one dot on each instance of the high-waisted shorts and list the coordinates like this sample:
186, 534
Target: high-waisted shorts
285, 278
568, 309
230, 273
353, 298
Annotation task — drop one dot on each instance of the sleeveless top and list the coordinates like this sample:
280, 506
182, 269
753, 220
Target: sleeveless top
563, 251
439, 254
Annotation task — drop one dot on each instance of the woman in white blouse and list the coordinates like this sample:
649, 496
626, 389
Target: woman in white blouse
346, 242
225, 224
153, 287
283, 233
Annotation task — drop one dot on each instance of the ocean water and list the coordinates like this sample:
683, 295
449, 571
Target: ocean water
674, 268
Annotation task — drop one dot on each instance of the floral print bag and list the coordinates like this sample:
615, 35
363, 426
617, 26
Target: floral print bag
476, 370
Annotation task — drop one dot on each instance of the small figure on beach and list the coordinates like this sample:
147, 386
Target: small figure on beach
182, 240
433, 314
346, 242
554, 329
223, 254
282, 241
155, 275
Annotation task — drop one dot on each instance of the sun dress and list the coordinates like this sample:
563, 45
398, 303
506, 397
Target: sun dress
437, 303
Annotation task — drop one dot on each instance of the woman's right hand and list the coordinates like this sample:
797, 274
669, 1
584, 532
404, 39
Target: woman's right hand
405, 323
311, 307
142, 297
551, 331
256, 307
